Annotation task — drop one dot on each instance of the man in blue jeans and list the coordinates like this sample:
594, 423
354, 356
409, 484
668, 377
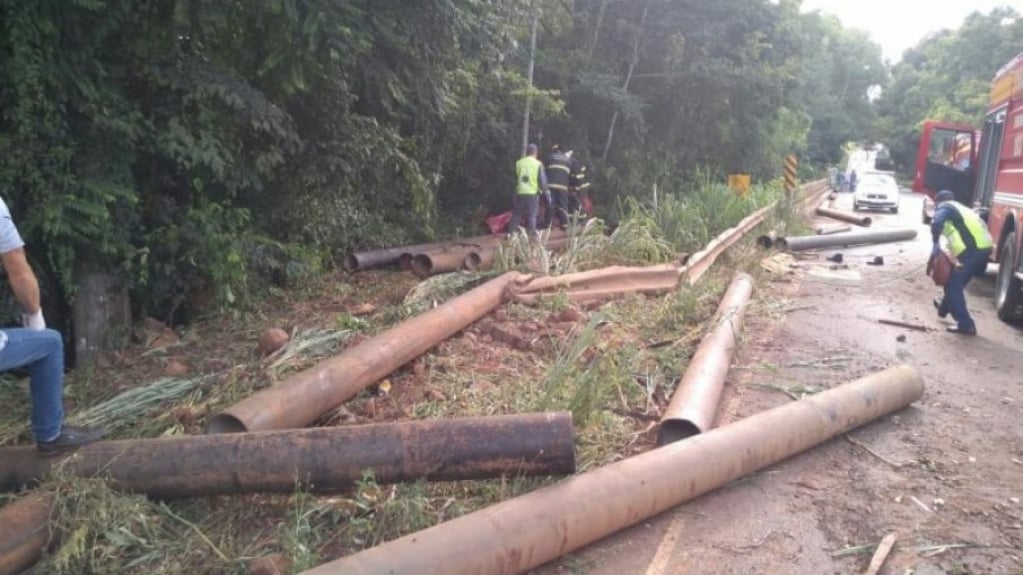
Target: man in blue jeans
37, 349
970, 242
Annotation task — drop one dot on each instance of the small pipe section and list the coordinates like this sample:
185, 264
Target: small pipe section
829, 230
305, 396
320, 459
519, 534
850, 217
695, 401
859, 237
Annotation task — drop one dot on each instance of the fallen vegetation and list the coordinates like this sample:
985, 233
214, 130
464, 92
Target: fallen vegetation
612, 364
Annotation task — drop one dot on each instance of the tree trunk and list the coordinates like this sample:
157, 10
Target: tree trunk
529, 98
628, 79
100, 313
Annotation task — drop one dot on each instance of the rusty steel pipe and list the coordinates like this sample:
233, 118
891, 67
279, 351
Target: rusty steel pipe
829, 230
24, 532
431, 263
358, 261
478, 260
858, 237
522, 533
320, 459
850, 217
305, 396
767, 240
695, 401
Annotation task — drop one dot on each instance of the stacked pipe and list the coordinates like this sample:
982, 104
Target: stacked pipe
472, 256
403, 256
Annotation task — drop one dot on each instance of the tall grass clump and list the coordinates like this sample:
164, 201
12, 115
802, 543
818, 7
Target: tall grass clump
697, 211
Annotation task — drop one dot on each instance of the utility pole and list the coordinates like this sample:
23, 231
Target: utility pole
529, 97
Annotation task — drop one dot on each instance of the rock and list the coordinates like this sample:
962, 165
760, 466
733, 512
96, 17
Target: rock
571, 313
363, 309
369, 409
274, 564
271, 340
418, 368
434, 395
176, 368
500, 314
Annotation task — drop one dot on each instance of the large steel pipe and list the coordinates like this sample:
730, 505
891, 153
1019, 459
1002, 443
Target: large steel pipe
695, 401
858, 237
436, 262
358, 261
305, 396
24, 532
522, 533
850, 217
321, 459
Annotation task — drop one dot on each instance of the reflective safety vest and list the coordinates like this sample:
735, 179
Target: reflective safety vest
527, 176
974, 225
558, 169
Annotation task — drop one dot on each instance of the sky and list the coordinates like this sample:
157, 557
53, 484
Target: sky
900, 24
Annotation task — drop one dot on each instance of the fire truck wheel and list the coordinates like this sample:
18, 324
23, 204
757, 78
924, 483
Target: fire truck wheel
1009, 296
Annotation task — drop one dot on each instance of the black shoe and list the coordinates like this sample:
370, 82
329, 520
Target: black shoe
960, 330
937, 305
70, 439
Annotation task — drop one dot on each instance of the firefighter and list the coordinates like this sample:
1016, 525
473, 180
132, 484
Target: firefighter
579, 187
530, 181
970, 242
559, 169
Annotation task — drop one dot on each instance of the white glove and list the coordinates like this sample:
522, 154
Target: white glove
34, 320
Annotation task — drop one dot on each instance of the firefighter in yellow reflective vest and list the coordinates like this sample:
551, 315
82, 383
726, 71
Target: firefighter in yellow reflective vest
530, 182
970, 242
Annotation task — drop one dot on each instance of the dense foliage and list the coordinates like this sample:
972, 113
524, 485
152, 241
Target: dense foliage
196, 146
947, 76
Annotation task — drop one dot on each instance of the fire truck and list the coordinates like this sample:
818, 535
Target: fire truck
984, 169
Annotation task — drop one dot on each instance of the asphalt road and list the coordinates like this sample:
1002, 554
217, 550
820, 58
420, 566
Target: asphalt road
946, 474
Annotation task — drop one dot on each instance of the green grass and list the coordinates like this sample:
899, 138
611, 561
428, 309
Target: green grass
614, 372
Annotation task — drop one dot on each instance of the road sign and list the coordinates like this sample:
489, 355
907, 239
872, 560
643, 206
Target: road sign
791, 165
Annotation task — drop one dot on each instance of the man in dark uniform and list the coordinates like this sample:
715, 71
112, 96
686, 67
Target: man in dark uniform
559, 169
970, 242
579, 187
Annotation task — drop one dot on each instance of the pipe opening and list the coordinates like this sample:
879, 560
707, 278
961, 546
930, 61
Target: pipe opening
867, 221
225, 423
405, 262
351, 263
765, 241
472, 261
676, 430
422, 265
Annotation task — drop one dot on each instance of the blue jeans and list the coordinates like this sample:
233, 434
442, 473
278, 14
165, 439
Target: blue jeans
42, 352
971, 263
525, 206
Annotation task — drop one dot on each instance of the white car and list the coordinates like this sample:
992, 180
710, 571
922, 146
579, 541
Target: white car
877, 191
